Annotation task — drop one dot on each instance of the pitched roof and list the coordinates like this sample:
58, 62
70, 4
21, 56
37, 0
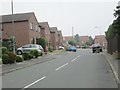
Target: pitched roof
43, 24
84, 38
16, 17
59, 32
67, 38
100, 38
53, 29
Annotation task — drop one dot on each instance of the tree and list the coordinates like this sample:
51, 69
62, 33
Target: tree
91, 41
114, 28
111, 32
77, 38
42, 42
116, 23
72, 42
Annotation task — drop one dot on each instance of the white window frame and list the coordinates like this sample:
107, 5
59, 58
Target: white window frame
31, 25
36, 28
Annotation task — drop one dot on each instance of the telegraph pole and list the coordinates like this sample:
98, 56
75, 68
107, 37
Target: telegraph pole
13, 38
73, 33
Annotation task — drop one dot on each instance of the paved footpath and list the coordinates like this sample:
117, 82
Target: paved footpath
12, 67
114, 64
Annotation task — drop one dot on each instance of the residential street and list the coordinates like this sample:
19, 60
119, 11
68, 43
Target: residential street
81, 69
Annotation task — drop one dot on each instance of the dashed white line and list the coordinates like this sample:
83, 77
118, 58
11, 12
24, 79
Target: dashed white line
78, 56
61, 66
34, 82
73, 60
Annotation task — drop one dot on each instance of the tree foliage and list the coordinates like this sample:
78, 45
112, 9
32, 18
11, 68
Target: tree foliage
72, 42
77, 38
42, 42
114, 28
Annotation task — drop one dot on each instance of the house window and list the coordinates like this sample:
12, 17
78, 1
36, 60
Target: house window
31, 25
39, 29
36, 28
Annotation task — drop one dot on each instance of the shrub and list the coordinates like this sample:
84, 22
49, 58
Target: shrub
19, 59
25, 56
12, 57
34, 53
5, 59
50, 49
30, 55
4, 50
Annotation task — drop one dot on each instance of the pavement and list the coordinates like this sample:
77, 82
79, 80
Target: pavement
114, 65
12, 67
7, 68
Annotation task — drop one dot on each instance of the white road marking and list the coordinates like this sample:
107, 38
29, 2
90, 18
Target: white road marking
61, 66
34, 82
78, 56
73, 60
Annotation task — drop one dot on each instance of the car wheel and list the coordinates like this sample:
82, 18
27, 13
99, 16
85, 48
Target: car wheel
19, 52
100, 50
93, 51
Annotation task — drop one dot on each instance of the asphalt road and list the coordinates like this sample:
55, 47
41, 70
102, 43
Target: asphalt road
81, 69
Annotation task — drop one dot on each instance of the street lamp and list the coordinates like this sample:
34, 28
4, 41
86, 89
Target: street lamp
72, 32
98, 28
13, 38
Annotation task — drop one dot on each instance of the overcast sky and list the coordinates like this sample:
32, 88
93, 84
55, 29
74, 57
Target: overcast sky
82, 15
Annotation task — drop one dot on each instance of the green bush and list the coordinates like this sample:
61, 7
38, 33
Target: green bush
12, 57
34, 53
19, 59
25, 56
5, 59
30, 55
4, 50
50, 49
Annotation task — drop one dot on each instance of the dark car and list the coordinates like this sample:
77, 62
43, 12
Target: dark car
72, 48
96, 48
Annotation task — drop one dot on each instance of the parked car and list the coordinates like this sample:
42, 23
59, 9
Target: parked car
60, 48
72, 48
96, 48
27, 48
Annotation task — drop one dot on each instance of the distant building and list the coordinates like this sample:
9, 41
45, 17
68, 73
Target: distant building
60, 38
83, 40
54, 37
45, 31
66, 39
101, 40
25, 28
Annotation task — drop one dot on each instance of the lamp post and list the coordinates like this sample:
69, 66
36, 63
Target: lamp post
73, 33
13, 38
98, 28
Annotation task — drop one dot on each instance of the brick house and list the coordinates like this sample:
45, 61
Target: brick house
83, 40
45, 31
101, 40
25, 28
60, 38
66, 39
54, 37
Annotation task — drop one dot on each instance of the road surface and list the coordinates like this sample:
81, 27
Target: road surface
81, 69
